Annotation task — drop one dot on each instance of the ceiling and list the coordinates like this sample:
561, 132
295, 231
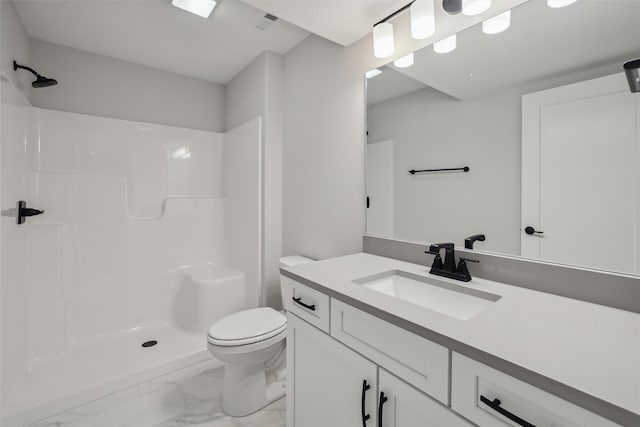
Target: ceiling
542, 43
156, 34
341, 21
390, 84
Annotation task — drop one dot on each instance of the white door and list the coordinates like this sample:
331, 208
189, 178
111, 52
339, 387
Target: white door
405, 406
379, 179
580, 175
325, 380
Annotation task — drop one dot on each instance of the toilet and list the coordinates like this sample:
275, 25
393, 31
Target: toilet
250, 343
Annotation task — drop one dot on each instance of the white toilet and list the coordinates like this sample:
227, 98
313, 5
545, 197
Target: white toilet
250, 342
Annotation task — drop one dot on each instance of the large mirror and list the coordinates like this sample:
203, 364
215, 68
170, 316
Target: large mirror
542, 116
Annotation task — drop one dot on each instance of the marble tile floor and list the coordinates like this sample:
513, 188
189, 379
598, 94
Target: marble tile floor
187, 397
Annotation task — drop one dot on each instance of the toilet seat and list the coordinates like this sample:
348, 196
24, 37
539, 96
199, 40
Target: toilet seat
247, 327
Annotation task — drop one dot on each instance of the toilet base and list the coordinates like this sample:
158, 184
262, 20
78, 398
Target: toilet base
245, 390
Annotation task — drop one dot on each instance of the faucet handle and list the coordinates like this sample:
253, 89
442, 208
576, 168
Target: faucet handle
463, 270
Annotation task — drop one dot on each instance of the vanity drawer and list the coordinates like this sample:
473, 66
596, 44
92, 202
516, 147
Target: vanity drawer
474, 386
416, 360
306, 303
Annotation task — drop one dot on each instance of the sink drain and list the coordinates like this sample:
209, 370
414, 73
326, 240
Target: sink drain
150, 343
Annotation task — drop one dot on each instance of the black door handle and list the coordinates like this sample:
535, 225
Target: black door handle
530, 230
365, 417
383, 399
495, 405
311, 307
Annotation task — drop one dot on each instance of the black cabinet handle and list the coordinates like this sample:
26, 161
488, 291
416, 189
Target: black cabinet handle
311, 307
495, 405
383, 399
530, 230
365, 417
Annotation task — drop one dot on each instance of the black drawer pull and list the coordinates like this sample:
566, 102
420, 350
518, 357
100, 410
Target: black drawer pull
365, 417
311, 307
383, 399
495, 405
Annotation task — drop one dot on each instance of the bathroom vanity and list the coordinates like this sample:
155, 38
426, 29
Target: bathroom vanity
379, 342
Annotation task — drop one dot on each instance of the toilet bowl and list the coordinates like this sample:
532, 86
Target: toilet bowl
250, 342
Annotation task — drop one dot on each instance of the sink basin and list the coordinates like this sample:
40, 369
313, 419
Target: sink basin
452, 300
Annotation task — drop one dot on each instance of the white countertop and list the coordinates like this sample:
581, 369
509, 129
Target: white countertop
591, 348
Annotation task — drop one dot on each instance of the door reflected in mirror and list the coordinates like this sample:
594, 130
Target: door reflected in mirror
543, 117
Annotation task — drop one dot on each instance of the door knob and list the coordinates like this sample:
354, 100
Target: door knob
530, 230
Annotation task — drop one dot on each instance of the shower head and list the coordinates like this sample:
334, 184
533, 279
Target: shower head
632, 70
40, 81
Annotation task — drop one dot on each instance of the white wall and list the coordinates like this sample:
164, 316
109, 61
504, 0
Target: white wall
14, 46
94, 84
323, 151
257, 91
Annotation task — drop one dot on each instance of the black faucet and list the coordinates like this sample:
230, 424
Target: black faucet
469, 241
448, 268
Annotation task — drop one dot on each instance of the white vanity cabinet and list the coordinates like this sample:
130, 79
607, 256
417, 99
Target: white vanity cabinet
405, 406
326, 381
348, 368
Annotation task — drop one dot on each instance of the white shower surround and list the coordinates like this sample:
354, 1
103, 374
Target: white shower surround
149, 232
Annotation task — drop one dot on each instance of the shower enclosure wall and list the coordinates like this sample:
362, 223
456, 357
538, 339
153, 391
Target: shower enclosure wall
149, 232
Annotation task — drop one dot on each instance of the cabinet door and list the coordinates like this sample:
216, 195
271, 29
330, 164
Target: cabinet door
405, 406
325, 380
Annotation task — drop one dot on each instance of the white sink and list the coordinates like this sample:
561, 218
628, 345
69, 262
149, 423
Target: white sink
455, 301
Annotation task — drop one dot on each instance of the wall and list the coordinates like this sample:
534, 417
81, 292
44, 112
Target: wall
323, 151
14, 46
94, 84
257, 91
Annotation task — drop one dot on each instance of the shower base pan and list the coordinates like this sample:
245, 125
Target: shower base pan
98, 370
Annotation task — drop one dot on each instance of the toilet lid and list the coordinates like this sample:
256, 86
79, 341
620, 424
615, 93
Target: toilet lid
248, 326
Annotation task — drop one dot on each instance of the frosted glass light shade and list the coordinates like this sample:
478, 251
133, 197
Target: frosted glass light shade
372, 73
560, 3
446, 45
423, 19
475, 7
383, 44
201, 8
404, 62
497, 24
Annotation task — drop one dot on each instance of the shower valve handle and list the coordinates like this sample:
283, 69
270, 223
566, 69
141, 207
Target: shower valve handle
23, 211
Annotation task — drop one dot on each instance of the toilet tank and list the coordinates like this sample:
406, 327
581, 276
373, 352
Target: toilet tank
290, 261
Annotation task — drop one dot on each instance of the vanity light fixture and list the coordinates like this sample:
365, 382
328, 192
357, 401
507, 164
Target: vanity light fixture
383, 44
452, 7
202, 8
373, 73
404, 62
475, 7
497, 24
560, 3
423, 19
446, 45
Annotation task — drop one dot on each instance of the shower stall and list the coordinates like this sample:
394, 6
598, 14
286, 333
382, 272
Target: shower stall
149, 234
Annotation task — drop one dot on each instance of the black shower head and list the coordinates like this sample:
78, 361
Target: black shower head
632, 70
40, 81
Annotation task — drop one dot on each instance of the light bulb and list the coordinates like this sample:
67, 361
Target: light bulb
383, 45
404, 62
497, 24
423, 19
446, 45
475, 7
560, 3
